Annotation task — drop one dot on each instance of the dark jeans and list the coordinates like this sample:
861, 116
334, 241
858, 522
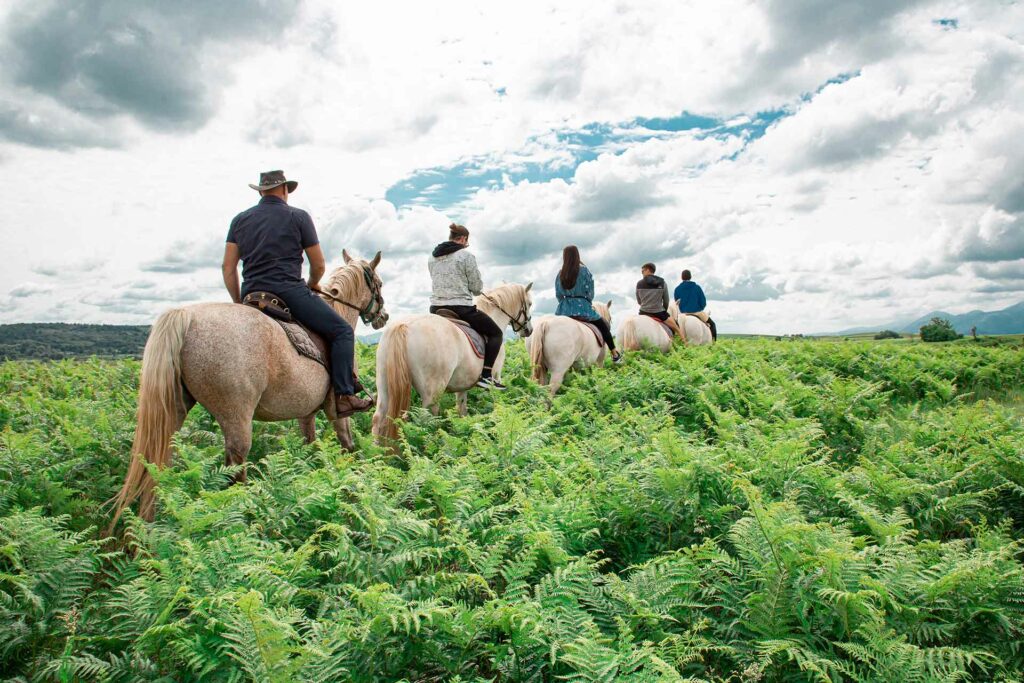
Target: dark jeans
606, 332
313, 312
482, 323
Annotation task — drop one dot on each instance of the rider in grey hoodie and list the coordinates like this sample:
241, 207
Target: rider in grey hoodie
455, 280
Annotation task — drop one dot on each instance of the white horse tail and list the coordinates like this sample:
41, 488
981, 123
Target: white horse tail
161, 410
629, 339
537, 350
397, 382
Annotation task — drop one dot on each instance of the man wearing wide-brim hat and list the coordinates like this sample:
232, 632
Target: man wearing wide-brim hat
269, 239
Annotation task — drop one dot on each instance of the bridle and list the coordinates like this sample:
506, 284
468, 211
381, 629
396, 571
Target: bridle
371, 312
518, 321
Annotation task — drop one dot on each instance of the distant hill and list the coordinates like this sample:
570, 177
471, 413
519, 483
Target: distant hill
1009, 320
53, 341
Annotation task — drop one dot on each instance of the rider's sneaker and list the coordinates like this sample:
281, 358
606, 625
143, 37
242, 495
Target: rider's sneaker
618, 358
349, 405
490, 383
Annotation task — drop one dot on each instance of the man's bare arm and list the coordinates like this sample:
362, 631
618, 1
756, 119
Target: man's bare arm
317, 266
230, 271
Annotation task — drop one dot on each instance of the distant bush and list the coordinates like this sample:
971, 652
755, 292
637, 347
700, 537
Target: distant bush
939, 330
888, 334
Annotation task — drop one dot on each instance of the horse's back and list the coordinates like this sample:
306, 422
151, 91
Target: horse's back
436, 350
237, 358
647, 331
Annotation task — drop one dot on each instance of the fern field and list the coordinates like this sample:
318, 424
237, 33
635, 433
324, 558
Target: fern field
755, 511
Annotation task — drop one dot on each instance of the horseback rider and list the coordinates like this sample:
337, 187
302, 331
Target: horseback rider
691, 299
269, 239
574, 289
652, 295
455, 280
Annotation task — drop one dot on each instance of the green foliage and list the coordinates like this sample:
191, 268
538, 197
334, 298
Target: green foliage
888, 334
939, 330
748, 512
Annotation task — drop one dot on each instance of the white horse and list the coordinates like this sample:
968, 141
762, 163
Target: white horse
560, 343
432, 355
642, 331
694, 326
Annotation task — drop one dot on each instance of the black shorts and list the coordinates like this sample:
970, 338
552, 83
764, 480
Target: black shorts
662, 316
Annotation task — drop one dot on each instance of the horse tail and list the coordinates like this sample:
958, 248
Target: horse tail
630, 340
397, 381
161, 411
537, 350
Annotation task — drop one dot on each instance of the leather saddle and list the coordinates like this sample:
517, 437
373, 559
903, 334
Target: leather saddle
475, 339
305, 342
593, 328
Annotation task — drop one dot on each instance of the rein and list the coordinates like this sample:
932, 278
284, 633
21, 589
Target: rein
517, 324
371, 311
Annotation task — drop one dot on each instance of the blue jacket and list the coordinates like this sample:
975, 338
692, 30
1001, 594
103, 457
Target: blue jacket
690, 297
576, 302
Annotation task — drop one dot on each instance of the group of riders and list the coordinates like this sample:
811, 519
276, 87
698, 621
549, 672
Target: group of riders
269, 240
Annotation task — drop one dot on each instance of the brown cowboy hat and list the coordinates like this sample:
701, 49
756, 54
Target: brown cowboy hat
271, 179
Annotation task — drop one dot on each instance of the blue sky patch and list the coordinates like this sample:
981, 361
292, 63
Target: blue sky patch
444, 187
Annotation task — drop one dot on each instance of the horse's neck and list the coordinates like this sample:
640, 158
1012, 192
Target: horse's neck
494, 313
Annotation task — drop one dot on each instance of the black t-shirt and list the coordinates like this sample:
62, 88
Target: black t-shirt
271, 238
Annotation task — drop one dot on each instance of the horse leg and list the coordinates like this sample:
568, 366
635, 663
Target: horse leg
308, 427
343, 430
237, 442
462, 401
556, 381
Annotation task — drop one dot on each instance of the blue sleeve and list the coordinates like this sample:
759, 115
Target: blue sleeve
307, 233
231, 231
588, 285
676, 294
701, 301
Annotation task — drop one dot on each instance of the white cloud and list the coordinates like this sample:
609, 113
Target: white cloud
893, 190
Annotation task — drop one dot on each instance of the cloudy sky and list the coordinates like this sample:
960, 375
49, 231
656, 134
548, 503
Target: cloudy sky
817, 165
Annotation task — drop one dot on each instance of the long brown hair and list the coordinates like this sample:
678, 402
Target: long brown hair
570, 266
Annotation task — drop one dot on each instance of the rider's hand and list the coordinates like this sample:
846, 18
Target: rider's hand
315, 286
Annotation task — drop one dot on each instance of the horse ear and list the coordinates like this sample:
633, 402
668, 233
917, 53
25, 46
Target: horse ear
609, 303
528, 286
344, 255
375, 261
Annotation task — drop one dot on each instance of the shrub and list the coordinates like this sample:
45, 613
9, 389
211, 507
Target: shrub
888, 334
939, 330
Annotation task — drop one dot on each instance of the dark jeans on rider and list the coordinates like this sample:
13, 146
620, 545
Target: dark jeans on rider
482, 323
313, 312
606, 332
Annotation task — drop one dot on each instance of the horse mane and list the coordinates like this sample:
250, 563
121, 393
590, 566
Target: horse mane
602, 310
510, 297
348, 280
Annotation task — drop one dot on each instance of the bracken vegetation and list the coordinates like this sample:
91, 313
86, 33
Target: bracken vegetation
749, 512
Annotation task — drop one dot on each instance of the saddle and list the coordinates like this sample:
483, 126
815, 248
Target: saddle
593, 328
476, 340
305, 342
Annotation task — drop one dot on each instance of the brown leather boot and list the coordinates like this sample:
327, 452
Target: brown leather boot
348, 405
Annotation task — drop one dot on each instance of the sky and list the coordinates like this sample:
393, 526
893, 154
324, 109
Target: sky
816, 165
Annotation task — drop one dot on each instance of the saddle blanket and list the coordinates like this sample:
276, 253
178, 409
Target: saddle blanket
476, 340
593, 328
302, 340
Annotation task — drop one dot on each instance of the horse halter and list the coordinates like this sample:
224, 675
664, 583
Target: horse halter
373, 311
517, 325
